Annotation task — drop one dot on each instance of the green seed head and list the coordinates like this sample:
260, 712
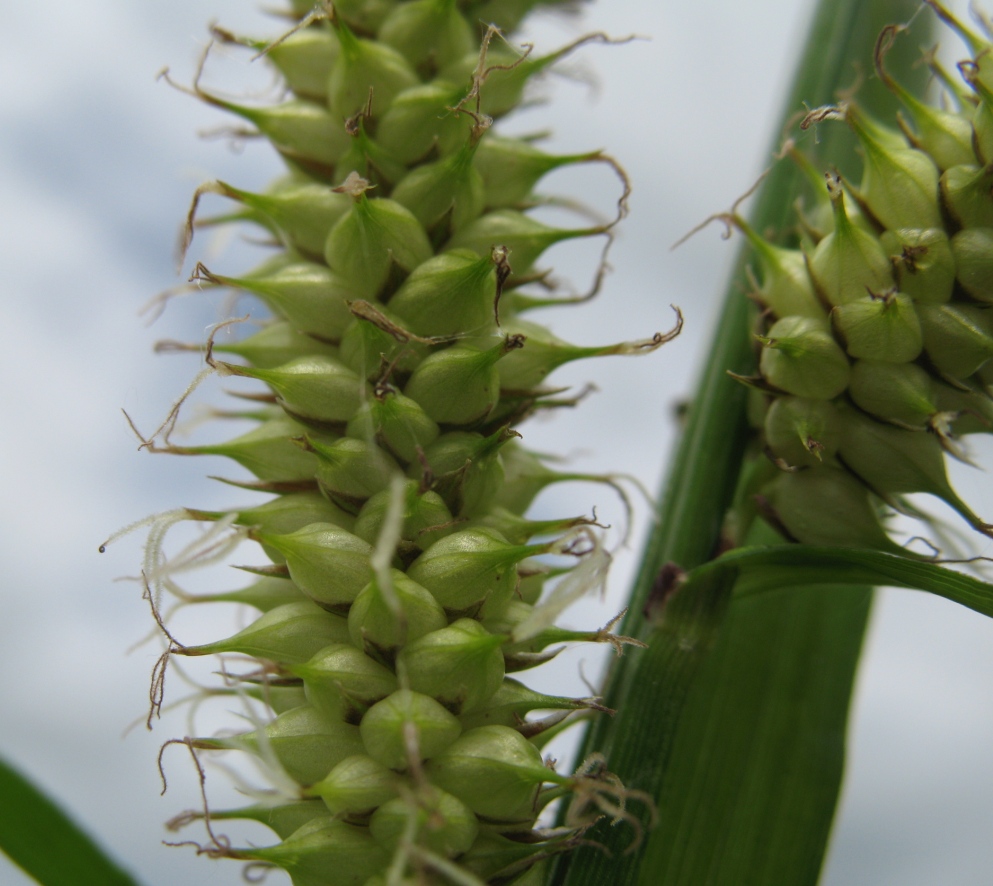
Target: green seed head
403, 583
982, 119
283, 820
525, 475
307, 294
467, 469
378, 347
509, 705
264, 594
301, 211
304, 133
859, 412
446, 195
524, 238
510, 169
305, 59
968, 412
943, 135
492, 853
268, 451
364, 16
288, 513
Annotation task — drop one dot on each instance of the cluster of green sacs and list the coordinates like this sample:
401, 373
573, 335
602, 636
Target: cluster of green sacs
877, 337
392, 708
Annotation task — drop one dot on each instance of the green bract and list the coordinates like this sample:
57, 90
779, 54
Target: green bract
403, 579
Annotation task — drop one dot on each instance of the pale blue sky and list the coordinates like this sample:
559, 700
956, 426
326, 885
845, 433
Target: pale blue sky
97, 164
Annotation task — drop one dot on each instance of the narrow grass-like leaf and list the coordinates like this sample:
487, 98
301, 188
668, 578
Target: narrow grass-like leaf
787, 658
750, 792
782, 714
760, 569
48, 845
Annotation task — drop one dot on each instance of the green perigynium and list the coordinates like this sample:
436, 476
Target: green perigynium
404, 582
877, 333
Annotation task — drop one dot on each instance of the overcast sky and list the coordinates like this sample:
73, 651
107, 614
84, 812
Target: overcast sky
97, 165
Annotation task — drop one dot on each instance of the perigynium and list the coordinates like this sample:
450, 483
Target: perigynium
400, 587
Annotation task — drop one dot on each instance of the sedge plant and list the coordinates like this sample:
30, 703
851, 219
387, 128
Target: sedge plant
398, 584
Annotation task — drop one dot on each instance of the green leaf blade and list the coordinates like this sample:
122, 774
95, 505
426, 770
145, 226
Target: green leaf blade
761, 569
766, 744
45, 843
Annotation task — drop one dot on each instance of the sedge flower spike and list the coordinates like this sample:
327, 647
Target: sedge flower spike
401, 582
865, 386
